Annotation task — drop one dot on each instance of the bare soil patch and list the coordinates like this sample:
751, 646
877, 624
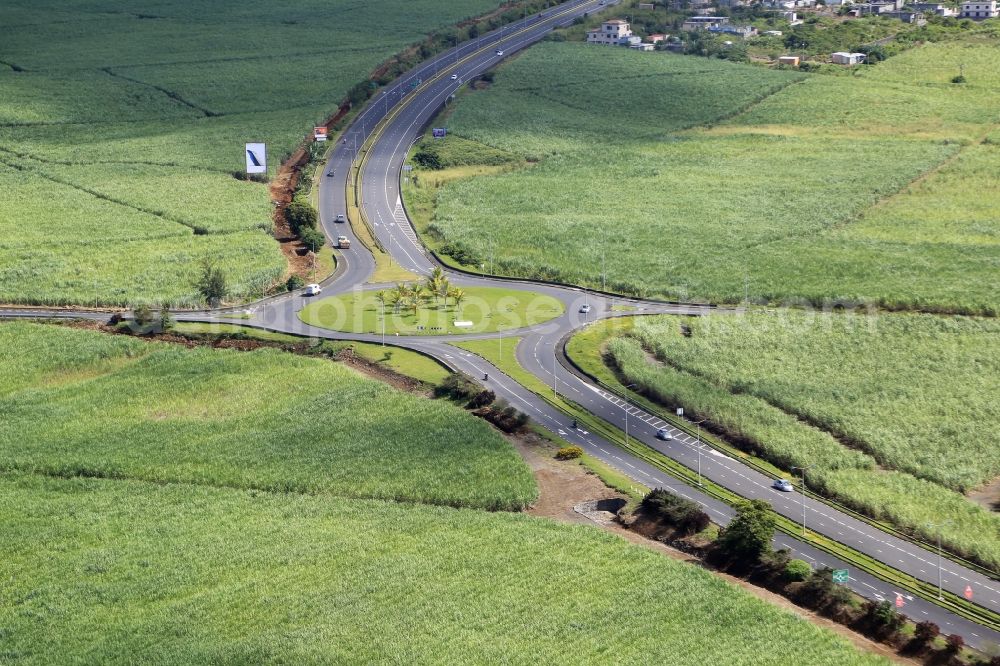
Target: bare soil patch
988, 496
561, 484
282, 189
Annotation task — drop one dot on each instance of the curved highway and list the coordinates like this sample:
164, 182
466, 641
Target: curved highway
380, 137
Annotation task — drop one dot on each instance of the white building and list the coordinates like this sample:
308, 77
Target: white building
611, 33
933, 8
704, 22
845, 58
979, 9
743, 31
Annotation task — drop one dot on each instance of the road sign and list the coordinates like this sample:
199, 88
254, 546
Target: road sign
680, 411
439, 132
407, 167
841, 576
320, 133
968, 592
256, 154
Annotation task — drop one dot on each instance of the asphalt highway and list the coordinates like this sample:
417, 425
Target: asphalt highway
541, 346
397, 117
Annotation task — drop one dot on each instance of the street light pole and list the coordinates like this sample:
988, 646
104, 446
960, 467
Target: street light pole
555, 379
803, 470
698, 423
940, 596
938, 527
627, 407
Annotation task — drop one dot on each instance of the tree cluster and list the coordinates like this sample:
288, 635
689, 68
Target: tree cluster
212, 284
413, 296
504, 416
748, 536
685, 515
300, 216
147, 322
428, 157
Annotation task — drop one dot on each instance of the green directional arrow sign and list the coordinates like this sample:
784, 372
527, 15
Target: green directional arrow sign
840, 575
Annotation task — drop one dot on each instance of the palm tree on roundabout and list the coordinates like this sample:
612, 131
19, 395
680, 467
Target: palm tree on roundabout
400, 296
382, 297
437, 284
418, 296
458, 295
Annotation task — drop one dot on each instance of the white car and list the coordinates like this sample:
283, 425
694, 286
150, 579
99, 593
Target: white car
585, 308
783, 485
312, 290
454, 77
499, 52
664, 435
341, 218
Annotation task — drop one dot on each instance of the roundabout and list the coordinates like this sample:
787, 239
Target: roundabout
415, 309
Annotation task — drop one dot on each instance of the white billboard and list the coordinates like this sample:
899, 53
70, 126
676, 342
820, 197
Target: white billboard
256, 158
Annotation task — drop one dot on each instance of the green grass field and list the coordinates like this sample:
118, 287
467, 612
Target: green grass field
291, 578
487, 308
904, 421
120, 128
78, 402
787, 184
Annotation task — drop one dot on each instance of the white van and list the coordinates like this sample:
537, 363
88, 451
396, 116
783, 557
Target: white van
312, 290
